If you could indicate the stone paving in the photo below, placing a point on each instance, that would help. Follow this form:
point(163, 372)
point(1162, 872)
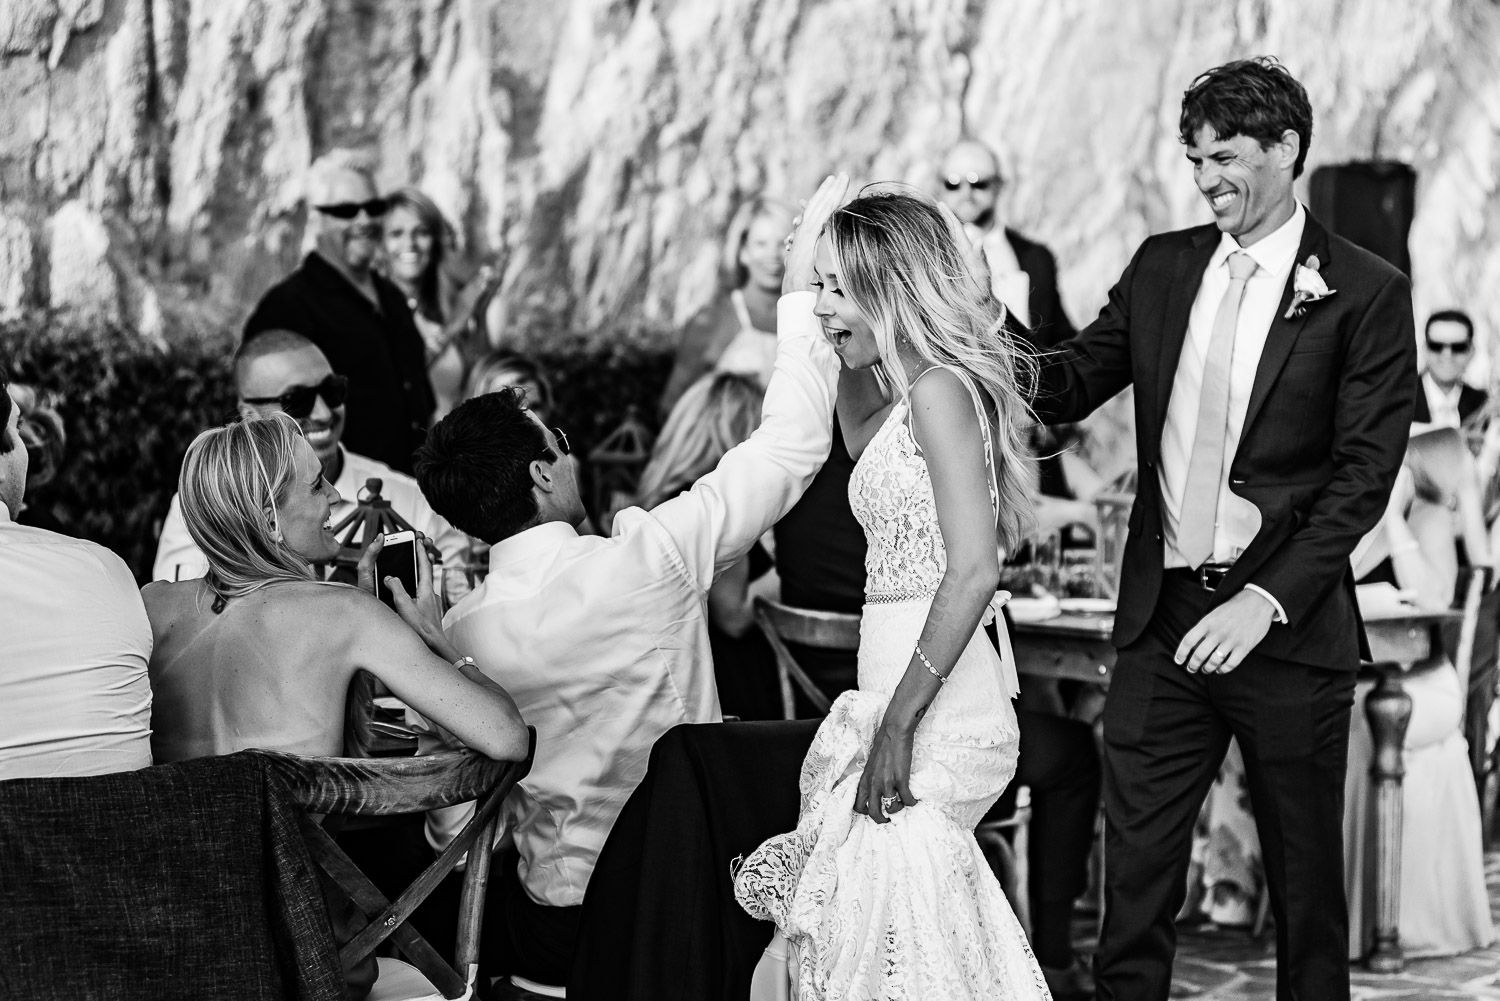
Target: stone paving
point(1228, 965)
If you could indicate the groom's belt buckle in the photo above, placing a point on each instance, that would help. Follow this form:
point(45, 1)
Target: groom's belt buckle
point(1211, 575)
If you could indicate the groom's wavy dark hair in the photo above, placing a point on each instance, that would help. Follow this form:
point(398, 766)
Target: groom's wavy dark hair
point(1249, 97)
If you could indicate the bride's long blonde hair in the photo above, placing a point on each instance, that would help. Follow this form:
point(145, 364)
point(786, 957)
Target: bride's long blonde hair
point(899, 263)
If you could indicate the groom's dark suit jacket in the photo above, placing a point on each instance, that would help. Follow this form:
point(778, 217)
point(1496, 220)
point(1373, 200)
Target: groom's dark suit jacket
point(1324, 434)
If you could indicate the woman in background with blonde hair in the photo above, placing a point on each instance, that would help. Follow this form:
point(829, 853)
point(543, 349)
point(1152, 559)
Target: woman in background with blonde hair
point(882, 891)
point(260, 653)
point(718, 412)
point(737, 331)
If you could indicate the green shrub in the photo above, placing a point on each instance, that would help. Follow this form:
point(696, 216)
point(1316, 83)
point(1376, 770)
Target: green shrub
point(131, 408)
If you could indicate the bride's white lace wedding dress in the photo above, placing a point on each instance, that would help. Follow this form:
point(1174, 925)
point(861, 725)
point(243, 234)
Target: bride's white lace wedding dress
point(908, 910)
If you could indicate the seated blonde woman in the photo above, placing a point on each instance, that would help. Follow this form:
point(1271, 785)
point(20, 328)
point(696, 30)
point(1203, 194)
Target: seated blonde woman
point(259, 653)
point(716, 413)
point(1444, 909)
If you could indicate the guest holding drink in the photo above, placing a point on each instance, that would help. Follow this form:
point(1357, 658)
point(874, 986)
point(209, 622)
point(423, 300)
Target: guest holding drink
point(453, 318)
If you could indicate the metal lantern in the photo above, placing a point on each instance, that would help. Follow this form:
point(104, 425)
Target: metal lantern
point(372, 516)
point(616, 463)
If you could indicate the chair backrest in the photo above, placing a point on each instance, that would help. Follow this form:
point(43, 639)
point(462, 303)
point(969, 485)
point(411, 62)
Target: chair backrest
point(373, 787)
point(1473, 590)
point(783, 624)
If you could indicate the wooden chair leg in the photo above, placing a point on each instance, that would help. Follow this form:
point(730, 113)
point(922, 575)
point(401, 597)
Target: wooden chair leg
point(1262, 912)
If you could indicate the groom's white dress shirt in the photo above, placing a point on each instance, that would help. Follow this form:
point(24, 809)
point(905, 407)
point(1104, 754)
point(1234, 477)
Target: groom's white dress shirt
point(603, 643)
point(74, 644)
point(1238, 520)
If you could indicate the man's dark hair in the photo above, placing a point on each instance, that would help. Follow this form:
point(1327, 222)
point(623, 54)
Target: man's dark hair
point(7, 442)
point(1249, 97)
point(1441, 316)
point(475, 466)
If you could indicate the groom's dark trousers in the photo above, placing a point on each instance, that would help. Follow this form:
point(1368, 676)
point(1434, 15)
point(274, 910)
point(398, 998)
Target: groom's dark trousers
point(1325, 427)
point(1165, 734)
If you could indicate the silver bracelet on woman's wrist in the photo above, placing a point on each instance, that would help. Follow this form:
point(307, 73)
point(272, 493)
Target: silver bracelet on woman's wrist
point(928, 664)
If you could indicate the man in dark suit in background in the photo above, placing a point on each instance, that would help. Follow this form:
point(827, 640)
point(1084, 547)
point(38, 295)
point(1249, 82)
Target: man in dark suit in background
point(360, 321)
point(1273, 369)
point(1443, 398)
point(1023, 273)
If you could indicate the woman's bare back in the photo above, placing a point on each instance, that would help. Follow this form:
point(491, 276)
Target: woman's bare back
point(271, 670)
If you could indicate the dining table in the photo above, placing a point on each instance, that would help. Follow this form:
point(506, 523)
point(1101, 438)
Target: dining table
point(1073, 643)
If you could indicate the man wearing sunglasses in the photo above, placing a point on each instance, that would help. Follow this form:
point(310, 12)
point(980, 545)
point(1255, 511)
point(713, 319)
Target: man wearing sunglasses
point(361, 322)
point(1023, 273)
point(283, 371)
point(1446, 400)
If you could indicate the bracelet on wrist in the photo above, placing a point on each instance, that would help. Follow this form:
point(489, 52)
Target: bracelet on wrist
point(928, 664)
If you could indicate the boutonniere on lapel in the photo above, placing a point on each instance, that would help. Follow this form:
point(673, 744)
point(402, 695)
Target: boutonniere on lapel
point(1307, 286)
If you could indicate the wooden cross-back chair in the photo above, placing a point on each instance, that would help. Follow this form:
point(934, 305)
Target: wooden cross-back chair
point(783, 624)
point(377, 787)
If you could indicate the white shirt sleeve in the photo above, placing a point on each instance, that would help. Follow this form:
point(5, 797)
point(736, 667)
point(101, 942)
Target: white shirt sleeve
point(177, 556)
point(1278, 614)
point(716, 522)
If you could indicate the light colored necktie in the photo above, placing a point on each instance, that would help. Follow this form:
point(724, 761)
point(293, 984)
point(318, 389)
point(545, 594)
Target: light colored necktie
point(1200, 499)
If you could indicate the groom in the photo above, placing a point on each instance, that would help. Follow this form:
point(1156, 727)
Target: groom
point(1273, 369)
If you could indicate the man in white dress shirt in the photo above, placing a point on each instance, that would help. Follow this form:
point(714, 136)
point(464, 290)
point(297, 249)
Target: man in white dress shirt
point(603, 643)
point(283, 371)
point(73, 645)
point(1445, 400)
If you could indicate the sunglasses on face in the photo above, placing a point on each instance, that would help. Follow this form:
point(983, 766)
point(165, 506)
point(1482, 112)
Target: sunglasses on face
point(1458, 348)
point(298, 402)
point(955, 181)
point(562, 442)
point(374, 208)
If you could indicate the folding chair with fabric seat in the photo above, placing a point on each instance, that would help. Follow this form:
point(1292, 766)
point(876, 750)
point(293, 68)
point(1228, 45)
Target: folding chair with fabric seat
point(376, 787)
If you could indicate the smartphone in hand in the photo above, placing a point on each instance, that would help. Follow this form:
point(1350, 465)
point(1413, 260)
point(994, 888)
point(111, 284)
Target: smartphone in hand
point(399, 560)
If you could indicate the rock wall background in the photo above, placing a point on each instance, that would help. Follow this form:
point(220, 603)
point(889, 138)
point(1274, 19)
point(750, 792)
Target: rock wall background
point(152, 151)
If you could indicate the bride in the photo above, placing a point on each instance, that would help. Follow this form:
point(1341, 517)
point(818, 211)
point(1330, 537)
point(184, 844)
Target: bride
point(882, 891)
